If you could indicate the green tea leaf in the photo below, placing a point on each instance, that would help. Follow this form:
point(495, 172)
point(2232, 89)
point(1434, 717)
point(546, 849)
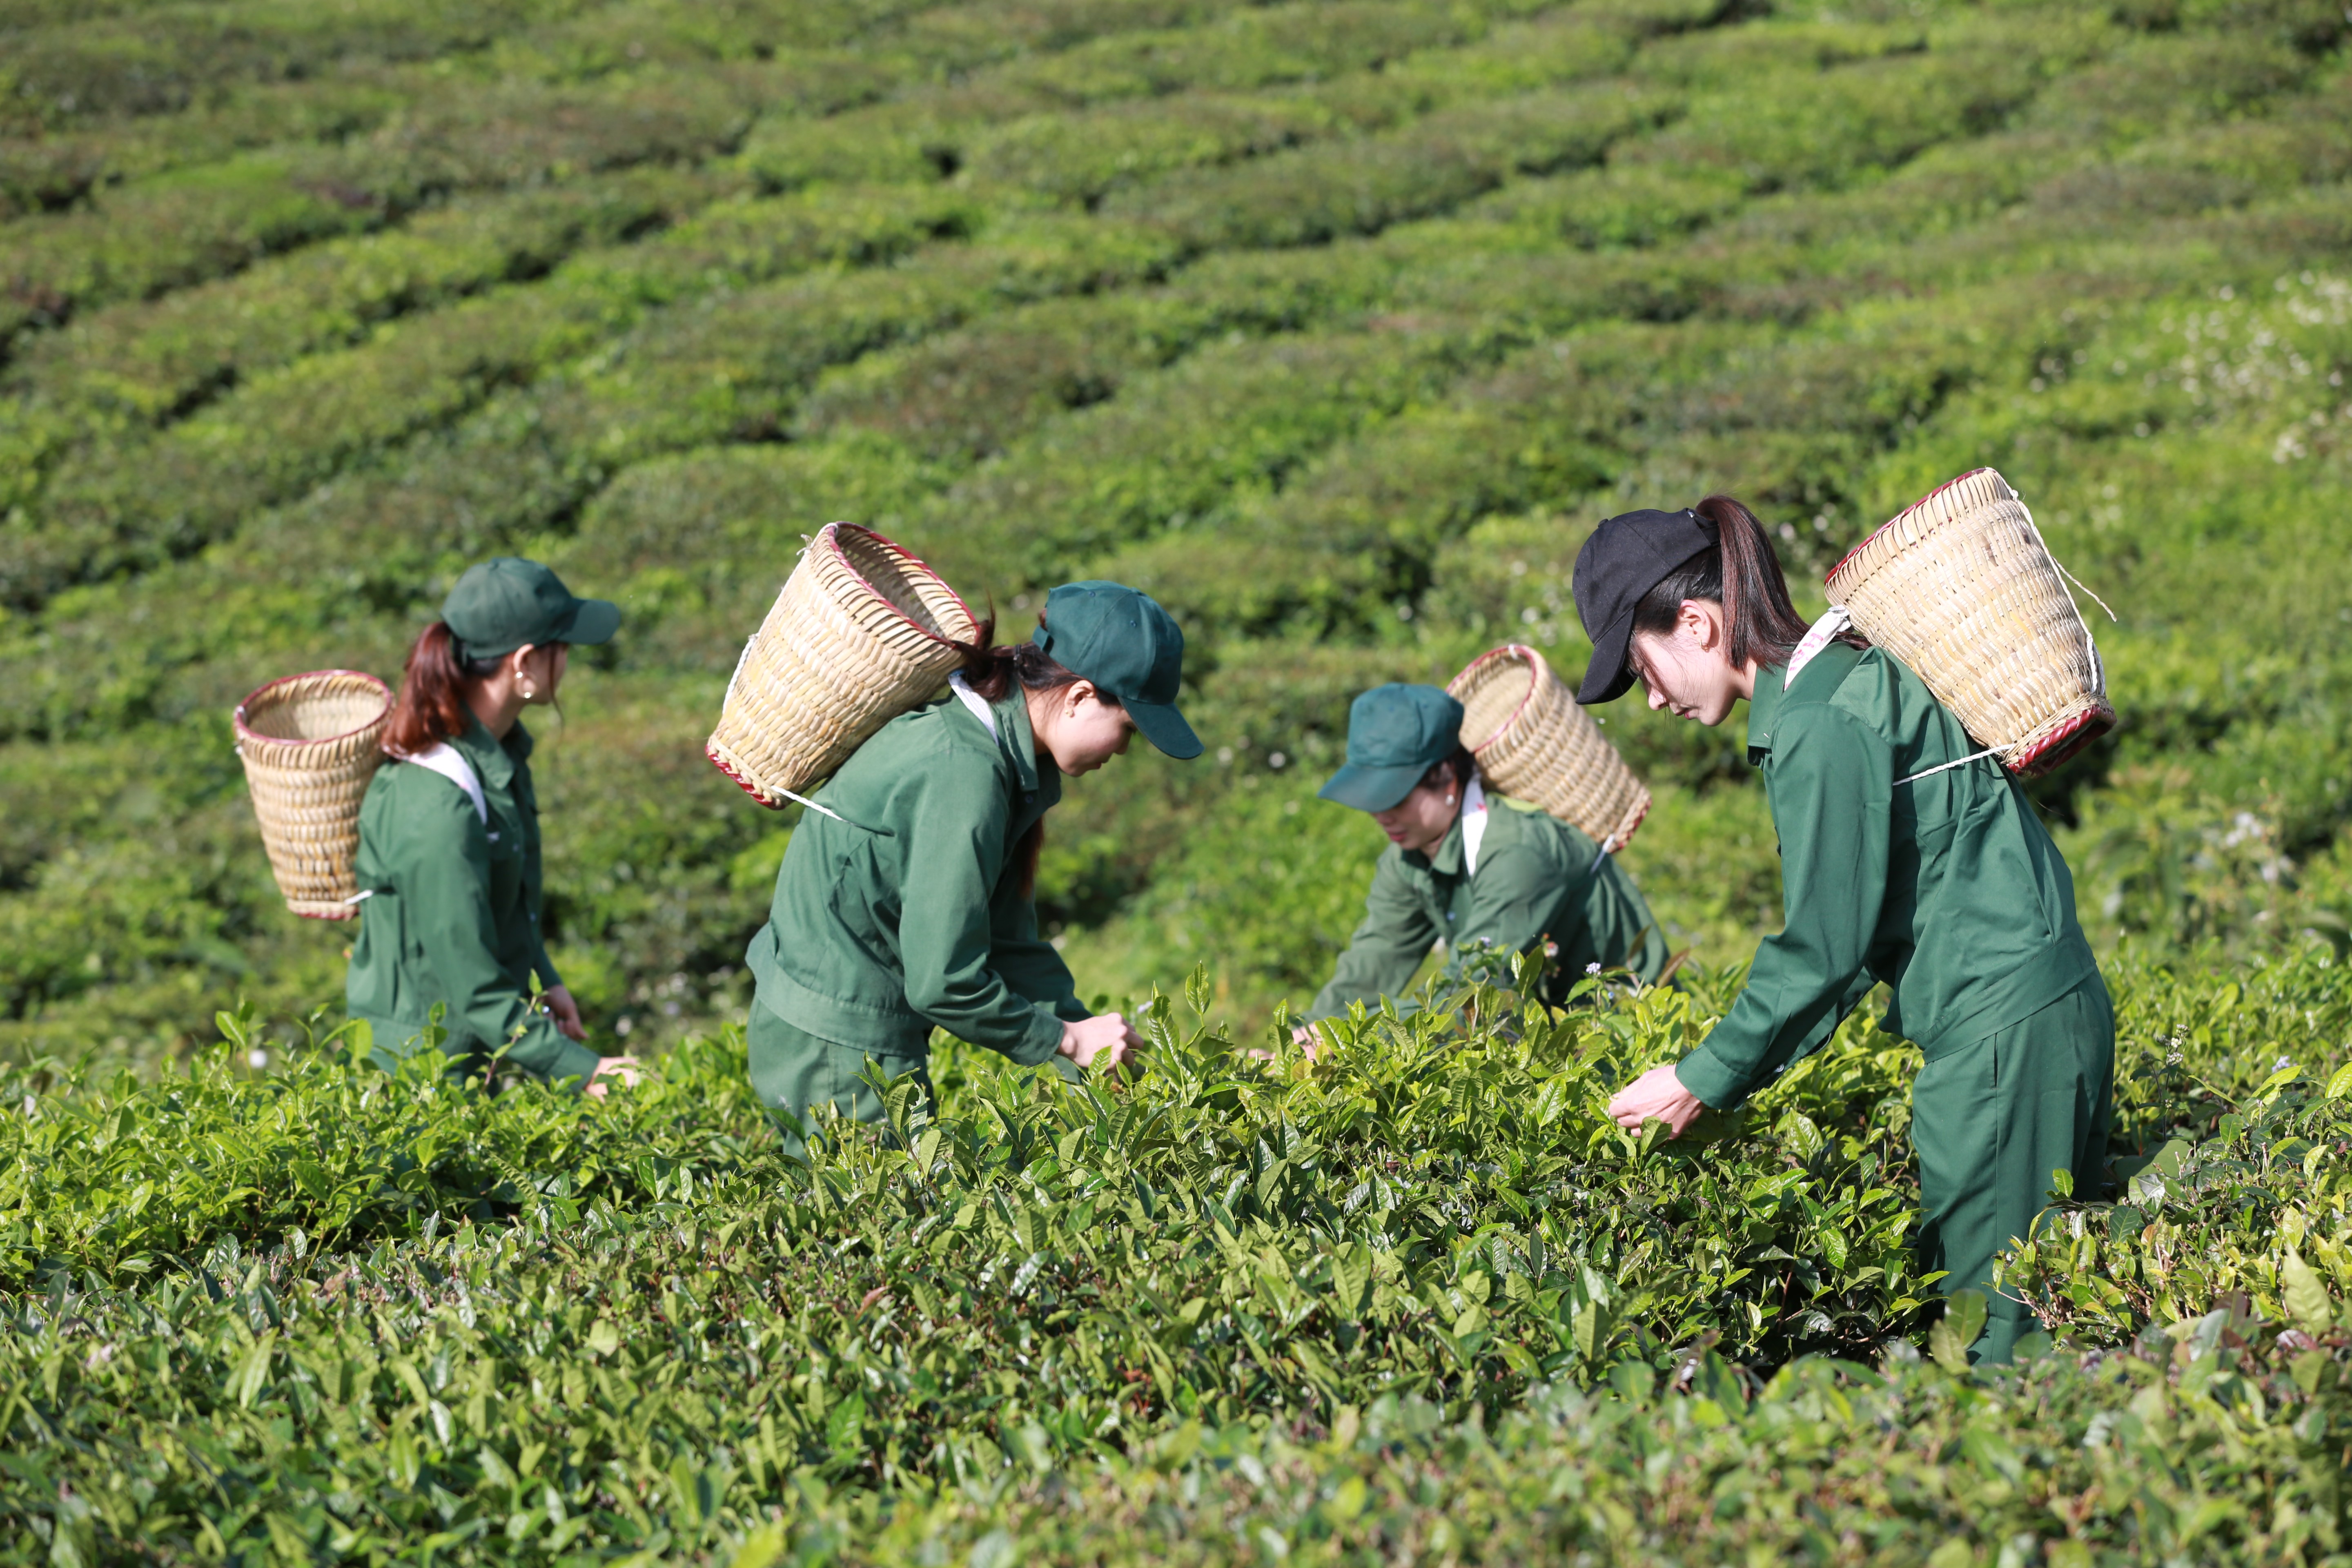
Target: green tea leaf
point(2305, 1298)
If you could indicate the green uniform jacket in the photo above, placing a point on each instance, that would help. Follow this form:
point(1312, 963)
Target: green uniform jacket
point(911, 917)
point(453, 918)
point(1947, 887)
point(1536, 878)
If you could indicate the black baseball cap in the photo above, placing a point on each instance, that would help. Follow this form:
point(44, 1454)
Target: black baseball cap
point(1628, 555)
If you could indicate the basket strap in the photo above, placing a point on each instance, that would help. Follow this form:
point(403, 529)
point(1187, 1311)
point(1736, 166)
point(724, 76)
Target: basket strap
point(1474, 822)
point(1825, 631)
point(974, 700)
point(450, 762)
point(1956, 761)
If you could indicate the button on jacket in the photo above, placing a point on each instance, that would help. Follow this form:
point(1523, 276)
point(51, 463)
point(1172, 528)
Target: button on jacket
point(455, 915)
point(1534, 878)
point(907, 916)
point(1948, 887)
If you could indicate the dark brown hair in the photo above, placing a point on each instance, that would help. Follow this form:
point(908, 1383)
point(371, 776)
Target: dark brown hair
point(1743, 574)
point(431, 706)
point(1457, 767)
point(994, 673)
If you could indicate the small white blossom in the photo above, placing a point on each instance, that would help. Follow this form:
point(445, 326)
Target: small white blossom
point(1592, 969)
point(258, 1057)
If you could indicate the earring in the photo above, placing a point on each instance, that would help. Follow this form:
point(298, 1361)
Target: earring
point(529, 693)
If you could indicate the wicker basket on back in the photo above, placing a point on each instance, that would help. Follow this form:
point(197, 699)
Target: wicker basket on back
point(1534, 744)
point(309, 744)
point(862, 632)
point(1960, 587)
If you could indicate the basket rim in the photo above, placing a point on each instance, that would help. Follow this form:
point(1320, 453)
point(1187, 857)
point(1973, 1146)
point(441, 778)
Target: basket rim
point(1956, 479)
point(2059, 747)
point(1534, 685)
point(245, 733)
point(829, 537)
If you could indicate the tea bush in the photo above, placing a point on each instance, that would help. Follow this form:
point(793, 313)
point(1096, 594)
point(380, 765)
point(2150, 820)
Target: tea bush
point(1335, 325)
point(1422, 1281)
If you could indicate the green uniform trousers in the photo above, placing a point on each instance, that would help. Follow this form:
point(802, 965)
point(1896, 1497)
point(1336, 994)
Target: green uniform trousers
point(1991, 1120)
point(794, 1071)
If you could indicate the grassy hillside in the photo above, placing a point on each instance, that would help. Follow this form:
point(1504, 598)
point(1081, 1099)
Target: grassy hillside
point(1335, 323)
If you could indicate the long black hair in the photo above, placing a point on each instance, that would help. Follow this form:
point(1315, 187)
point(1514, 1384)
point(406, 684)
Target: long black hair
point(1742, 573)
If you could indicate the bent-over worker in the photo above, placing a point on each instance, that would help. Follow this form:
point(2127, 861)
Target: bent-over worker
point(1467, 869)
point(1906, 856)
point(907, 903)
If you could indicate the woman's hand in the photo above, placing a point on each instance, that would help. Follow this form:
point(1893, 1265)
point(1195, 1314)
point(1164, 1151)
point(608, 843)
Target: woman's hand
point(566, 1013)
point(1102, 1041)
point(1303, 1035)
point(1656, 1096)
point(623, 1071)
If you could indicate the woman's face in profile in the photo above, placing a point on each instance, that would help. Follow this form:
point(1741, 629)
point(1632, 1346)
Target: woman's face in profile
point(1686, 672)
point(1081, 729)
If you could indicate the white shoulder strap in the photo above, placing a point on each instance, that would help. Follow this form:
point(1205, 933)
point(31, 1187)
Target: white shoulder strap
point(450, 764)
point(1825, 631)
point(974, 700)
point(1474, 823)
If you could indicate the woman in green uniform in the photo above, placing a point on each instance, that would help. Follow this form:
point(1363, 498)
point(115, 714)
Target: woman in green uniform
point(1465, 869)
point(448, 856)
point(905, 900)
point(1906, 857)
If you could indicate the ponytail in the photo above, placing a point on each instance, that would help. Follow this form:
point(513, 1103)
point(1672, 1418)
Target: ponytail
point(432, 706)
point(1742, 573)
point(993, 674)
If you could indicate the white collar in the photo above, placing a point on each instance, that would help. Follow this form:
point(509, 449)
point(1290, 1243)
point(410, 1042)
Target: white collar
point(1474, 824)
point(974, 700)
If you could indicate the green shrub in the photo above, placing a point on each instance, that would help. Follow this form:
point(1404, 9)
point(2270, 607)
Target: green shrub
point(159, 357)
point(1318, 193)
point(1078, 158)
point(1318, 1271)
point(1224, 425)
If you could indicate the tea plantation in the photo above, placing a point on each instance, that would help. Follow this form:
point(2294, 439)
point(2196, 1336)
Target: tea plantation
point(1334, 323)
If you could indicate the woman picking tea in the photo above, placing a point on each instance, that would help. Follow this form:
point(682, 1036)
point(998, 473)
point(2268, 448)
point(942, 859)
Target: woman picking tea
point(906, 901)
point(1465, 869)
point(448, 848)
point(1907, 856)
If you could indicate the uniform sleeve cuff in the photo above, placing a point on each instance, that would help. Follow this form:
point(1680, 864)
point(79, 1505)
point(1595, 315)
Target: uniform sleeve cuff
point(1043, 1039)
point(1702, 1073)
point(573, 1060)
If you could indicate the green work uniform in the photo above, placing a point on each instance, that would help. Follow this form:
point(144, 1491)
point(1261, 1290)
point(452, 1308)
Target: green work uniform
point(1536, 877)
point(453, 911)
point(908, 915)
point(1947, 887)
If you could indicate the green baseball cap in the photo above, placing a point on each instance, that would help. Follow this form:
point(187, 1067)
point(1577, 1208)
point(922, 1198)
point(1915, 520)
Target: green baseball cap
point(1129, 647)
point(1396, 733)
point(508, 602)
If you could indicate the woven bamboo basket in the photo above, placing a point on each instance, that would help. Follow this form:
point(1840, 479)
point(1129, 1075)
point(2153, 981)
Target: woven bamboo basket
point(862, 632)
point(1960, 586)
point(1534, 744)
point(309, 744)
